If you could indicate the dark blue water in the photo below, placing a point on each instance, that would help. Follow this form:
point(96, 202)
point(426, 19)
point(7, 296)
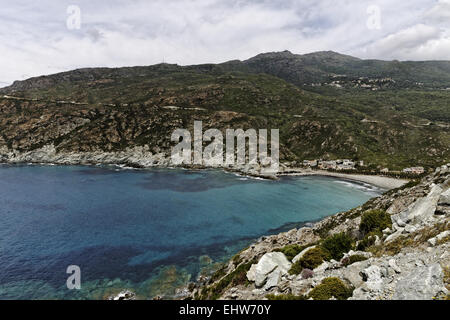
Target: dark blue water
point(149, 231)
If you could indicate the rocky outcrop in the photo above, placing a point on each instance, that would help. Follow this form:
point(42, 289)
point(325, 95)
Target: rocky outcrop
point(408, 262)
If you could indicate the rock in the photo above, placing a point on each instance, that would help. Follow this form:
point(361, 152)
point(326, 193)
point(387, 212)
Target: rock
point(320, 269)
point(409, 229)
point(393, 236)
point(421, 211)
point(267, 264)
point(372, 277)
point(124, 295)
point(433, 241)
point(394, 266)
point(423, 283)
point(301, 254)
point(443, 206)
point(273, 279)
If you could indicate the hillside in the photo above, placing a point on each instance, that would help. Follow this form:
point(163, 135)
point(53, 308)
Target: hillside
point(112, 110)
point(394, 247)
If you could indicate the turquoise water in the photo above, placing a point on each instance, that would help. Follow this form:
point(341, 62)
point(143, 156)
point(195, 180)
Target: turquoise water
point(146, 230)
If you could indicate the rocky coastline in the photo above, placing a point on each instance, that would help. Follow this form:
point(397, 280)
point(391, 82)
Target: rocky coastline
point(141, 157)
point(408, 260)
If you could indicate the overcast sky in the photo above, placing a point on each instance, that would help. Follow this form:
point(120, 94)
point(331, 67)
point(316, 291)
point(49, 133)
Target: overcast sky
point(48, 36)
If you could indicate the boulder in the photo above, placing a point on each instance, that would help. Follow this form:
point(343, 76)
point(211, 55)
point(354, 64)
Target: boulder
point(372, 276)
point(423, 283)
point(269, 262)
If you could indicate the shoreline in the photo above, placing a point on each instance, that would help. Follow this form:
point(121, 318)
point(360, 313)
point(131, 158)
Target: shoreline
point(379, 181)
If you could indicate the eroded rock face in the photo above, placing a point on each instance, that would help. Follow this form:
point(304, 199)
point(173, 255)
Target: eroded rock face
point(423, 283)
point(421, 211)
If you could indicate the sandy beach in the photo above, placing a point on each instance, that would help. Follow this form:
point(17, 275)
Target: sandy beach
point(378, 181)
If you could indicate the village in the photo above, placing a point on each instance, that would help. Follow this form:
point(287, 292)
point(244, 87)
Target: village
point(346, 164)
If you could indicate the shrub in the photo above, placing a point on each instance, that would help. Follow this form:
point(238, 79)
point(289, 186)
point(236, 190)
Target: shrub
point(352, 259)
point(307, 273)
point(290, 251)
point(369, 240)
point(285, 297)
point(310, 260)
point(337, 245)
point(375, 221)
point(296, 268)
point(331, 287)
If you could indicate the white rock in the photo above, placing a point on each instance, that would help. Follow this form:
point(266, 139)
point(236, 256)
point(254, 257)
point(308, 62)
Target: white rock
point(320, 269)
point(423, 283)
point(432, 242)
point(266, 265)
point(372, 277)
point(394, 266)
point(273, 279)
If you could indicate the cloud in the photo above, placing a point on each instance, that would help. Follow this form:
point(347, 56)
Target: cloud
point(35, 40)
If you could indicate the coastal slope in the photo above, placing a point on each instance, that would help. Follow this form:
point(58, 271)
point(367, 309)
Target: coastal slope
point(395, 247)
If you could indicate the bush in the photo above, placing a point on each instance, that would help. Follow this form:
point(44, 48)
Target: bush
point(368, 241)
point(375, 221)
point(337, 245)
point(290, 251)
point(331, 287)
point(307, 273)
point(310, 260)
point(352, 259)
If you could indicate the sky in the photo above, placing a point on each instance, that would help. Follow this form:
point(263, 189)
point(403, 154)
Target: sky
point(50, 36)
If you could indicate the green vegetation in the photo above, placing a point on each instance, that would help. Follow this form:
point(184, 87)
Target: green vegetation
point(290, 251)
point(391, 127)
point(337, 245)
point(310, 260)
point(332, 247)
point(235, 278)
point(331, 287)
point(375, 221)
